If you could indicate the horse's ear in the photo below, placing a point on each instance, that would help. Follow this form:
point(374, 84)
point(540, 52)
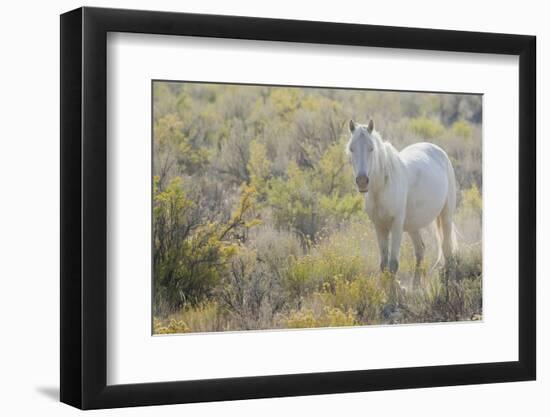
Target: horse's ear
point(370, 127)
point(351, 125)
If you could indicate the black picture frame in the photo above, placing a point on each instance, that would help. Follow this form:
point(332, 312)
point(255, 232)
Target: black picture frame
point(84, 207)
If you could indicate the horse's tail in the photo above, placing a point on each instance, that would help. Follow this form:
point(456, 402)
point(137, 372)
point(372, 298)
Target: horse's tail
point(439, 238)
point(438, 228)
point(451, 202)
point(454, 240)
point(449, 211)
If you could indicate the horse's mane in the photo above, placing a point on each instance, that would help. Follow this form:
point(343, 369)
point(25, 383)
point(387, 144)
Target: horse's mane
point(386, 164)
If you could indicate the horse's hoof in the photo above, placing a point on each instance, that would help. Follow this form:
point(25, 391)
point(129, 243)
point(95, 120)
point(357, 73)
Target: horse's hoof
point(388, 310)
point(393, 314)
point(394, 266)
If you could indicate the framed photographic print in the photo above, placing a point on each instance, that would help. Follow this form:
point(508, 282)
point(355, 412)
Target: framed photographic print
point(257, 208)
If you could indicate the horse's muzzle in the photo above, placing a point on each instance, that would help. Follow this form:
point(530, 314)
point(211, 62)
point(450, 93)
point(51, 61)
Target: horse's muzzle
point(362, 182)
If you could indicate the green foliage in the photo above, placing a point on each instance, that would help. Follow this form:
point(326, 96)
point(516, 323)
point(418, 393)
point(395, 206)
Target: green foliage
point(462, 129)
point(190, 252)
point(312, 199)
point(324, 264)
point(285, 101)
point(175, 151)
point(295, 203)
point(471, 199)
point(330, 317)
point(187, 254)
point(301, 319)
point(333, 172)
point(169, 326)
point(259, 167)
point(469, 214)
point(426, 128)
point(364, 296)
point(204, 317)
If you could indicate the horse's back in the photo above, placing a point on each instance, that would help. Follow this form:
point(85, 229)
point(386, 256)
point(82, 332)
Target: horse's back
point(425, 153)
point(427, 167)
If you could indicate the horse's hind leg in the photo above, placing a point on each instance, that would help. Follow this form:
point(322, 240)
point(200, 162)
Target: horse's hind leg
point(419, 250)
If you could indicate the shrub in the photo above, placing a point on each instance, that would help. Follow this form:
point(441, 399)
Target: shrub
point(285, 101)
point(334, 259)
point(330, 317)
point(310, 200)
point(186, 252)
point(171, 326)
point(232, 159)
point(338, 318)
point(259, 167)
point(295, 203)
point(469, 214)
point(301, 319)
point(173, 144)
point(364, 296)
point(205, 317)
point(190, 251)
point(462, 129)
point(278, 249)
point(426, 128)
point(446, 299)
point(249, 293)
point(471, 200)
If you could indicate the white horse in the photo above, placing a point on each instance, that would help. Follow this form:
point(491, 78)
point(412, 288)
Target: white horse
point(404, 191)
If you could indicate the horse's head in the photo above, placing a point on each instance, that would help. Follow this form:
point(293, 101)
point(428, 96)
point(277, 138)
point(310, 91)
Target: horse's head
point(361, 147)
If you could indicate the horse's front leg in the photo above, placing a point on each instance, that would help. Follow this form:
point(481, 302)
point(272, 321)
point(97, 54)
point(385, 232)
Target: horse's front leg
point(382, 234)
point(396, 236)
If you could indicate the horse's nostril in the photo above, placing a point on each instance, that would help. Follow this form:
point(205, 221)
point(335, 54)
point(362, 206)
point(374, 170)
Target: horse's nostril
point(362, 180)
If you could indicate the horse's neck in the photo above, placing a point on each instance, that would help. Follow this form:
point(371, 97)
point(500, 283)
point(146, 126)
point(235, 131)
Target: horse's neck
point(387, 165)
